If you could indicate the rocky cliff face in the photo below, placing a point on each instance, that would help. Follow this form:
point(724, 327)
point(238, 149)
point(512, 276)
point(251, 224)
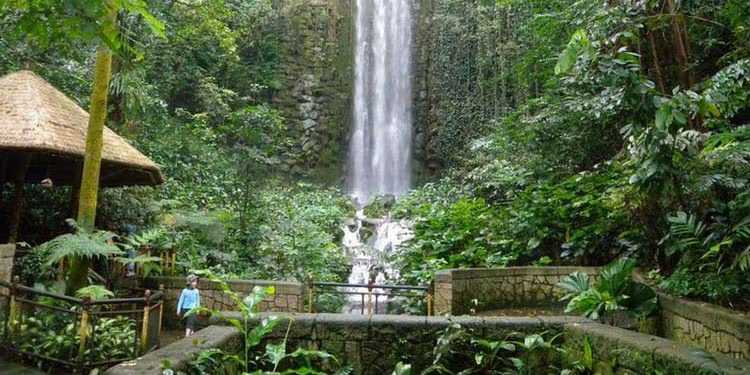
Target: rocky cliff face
point(317, 84)
point(316, 87)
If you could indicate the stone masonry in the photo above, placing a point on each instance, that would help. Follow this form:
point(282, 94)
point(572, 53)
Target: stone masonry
point(711, 327)
point(7, 252)
point(471, 290)
point(373, 345)
point(289, 296)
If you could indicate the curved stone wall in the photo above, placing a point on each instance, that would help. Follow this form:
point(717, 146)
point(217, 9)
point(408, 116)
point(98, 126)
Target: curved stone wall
point(374, 345)
point(711, 327)
point(473, 290)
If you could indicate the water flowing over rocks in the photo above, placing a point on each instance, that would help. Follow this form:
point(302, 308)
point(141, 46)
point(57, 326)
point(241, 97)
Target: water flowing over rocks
point(370, 253)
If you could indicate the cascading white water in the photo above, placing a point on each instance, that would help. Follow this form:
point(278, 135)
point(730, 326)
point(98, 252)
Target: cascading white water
point(369, 257)
point(380, 145)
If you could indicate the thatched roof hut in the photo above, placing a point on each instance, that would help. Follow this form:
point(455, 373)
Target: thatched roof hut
point(37, 119)
point(43, 141)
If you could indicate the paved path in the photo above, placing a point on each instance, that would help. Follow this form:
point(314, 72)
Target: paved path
point(10, 368)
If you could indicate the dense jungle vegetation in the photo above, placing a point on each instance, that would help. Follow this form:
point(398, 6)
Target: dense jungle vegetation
point(628, 137)
point(562, 131)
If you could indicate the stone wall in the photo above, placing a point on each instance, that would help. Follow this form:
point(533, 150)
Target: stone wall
point(180, 353)
point(316, 81)
point(471, 290)
point(711, 327)
point(374, 345)
point(7, 252)
point(289, 297)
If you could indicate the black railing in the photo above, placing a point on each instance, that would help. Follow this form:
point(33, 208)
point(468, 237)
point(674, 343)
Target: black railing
point(372, 298)
point(78, 333)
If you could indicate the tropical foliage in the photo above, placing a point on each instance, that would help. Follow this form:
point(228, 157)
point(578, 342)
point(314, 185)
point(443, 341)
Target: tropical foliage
point(632, 143)
point(614, 290)
point(254, 331)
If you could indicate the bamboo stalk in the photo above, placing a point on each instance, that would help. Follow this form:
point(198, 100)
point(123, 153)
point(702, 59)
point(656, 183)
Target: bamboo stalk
point(90, 175)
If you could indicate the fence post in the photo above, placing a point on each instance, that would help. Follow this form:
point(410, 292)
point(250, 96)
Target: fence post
point(369, 299)
point(83, 330)
point(144, 325)
point(161, 309)
point(310, 296)
point(429, 300)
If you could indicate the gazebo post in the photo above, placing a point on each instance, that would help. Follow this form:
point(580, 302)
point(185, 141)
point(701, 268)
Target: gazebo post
point(18, 196)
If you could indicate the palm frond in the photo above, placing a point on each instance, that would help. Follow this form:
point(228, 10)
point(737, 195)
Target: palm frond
point(742, 261)
point(686, 233)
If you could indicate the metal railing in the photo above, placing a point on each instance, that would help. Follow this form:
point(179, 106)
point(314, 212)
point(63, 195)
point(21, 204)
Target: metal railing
point(78, 334)
point(373, 298)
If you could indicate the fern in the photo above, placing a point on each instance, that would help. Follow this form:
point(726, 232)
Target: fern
point(82, 244)
point(94, 292)
point(152, 238)
point(149, 264)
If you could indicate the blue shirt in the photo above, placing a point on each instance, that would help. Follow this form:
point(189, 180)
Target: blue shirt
point(189, 298)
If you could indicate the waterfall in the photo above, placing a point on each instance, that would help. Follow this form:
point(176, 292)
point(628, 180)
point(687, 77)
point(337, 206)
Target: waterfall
point(380, 146)
point(370, 257)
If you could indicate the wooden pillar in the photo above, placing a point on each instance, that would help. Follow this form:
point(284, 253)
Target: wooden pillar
point(18, 196)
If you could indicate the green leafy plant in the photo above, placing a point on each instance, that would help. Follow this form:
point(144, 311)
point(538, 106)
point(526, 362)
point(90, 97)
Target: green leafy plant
point(459, 351)
point(250, 358)
point(613, 291)
point(94, 292)
point(81, 243)
point(57, 335)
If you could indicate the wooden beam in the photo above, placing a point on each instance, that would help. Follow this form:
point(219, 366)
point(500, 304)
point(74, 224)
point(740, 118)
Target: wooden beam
point(18, 196)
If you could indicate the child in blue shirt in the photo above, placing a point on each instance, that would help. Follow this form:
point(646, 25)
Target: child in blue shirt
point(190, 298)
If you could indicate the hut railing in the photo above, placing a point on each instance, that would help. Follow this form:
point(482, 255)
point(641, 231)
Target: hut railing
point(78, 334)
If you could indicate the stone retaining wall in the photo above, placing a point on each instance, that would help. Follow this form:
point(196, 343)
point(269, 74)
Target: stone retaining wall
point(7, 252)
point(711, 327)
point(374, 345)
point(180, 353)
point(464, 291)
point(289, 296)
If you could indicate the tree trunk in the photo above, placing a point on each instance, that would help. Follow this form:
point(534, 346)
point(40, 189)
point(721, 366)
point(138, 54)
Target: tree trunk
point(79, 267)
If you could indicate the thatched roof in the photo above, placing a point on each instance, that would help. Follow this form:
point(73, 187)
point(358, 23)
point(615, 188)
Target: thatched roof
point(38, 119)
